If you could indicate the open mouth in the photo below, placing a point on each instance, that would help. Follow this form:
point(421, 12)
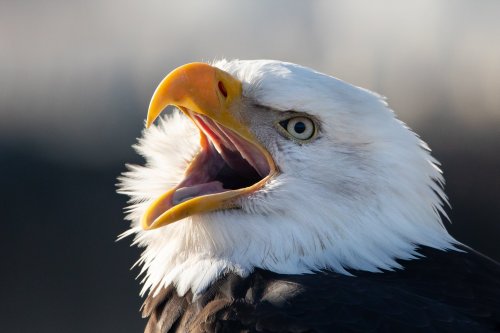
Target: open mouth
point(231, 163)
point(226, 168)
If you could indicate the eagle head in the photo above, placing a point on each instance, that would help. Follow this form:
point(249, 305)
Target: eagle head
point(267, 164)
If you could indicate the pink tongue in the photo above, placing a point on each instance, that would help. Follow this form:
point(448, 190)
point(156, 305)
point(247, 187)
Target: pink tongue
point(185, 193)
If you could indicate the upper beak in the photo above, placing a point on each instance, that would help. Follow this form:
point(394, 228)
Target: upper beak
point(202, 89)
point(199, 88)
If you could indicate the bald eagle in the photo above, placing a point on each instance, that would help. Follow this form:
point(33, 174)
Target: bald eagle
point(275, 198)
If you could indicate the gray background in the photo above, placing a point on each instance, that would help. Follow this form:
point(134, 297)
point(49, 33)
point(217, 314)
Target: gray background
point(75, 82)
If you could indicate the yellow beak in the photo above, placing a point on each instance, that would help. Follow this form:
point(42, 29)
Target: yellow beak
point(199, 88)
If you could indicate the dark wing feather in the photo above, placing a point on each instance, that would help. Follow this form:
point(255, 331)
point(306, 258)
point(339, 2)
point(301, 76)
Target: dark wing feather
point(442, 292)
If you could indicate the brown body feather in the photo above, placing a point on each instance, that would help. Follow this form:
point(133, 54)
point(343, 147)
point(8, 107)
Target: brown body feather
point(443, 292)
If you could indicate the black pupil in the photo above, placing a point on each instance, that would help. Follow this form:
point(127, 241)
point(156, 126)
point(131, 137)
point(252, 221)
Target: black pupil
point(299, 127)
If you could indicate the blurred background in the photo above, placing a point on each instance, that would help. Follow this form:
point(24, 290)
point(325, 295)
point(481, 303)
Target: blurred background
point(75, 82)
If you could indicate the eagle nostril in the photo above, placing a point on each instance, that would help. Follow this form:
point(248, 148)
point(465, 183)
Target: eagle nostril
point(222, 89)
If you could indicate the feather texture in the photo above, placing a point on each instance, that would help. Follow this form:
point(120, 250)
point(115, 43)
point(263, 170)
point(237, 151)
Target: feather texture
point(444, 292)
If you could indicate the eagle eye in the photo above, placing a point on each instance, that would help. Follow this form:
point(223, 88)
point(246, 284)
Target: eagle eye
point(299, 128)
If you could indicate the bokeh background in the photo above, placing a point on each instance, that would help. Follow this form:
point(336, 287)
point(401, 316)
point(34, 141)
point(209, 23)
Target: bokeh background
point(76, 78)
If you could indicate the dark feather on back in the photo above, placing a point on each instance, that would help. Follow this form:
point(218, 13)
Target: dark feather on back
point(442, 292)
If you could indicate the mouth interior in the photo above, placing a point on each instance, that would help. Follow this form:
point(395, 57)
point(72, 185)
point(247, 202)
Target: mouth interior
point(226, 162)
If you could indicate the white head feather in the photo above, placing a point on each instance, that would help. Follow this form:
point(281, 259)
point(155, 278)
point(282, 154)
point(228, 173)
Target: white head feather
point(365, 193)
